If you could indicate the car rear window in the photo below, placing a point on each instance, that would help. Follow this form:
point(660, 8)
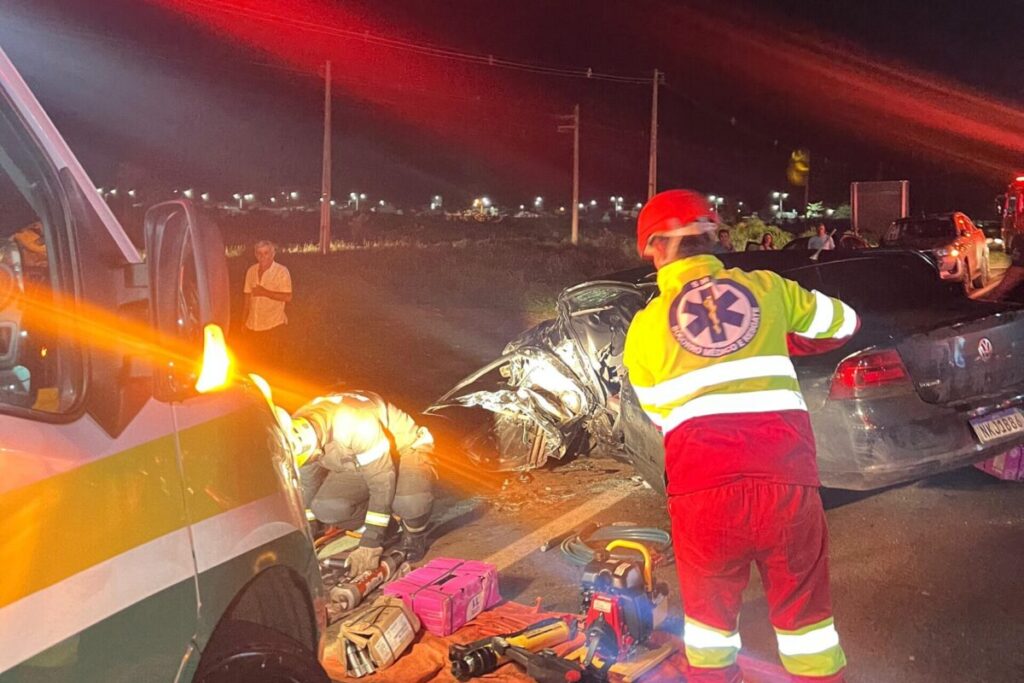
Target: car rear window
point(890, 283)
point(924, 228)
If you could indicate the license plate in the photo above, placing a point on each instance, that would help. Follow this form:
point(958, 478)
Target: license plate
point(998, 425)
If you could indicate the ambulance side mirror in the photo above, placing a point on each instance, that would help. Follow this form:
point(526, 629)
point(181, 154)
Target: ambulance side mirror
point(189, 290)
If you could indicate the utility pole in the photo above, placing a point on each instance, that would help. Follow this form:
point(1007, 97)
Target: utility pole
point(807, 183)
point(652, 168)
point(575, 128)
point(325, 189)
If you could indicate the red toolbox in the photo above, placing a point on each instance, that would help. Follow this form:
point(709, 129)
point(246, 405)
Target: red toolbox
point(446, 593)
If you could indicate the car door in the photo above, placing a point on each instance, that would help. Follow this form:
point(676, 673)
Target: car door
point(241, 489)
point(97, 581)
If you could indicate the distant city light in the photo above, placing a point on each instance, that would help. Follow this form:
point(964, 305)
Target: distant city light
point(237, 196)
point(522, 207)
point(486, 201)
point(639, 205)
point(249, 197)
point(294, 195)
point(131, 193)
point(188, 193)
point(593, 202)
point(381, 202)
point(581, 205)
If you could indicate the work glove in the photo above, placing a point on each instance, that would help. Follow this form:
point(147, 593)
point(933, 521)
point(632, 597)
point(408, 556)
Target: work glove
point(362, 560)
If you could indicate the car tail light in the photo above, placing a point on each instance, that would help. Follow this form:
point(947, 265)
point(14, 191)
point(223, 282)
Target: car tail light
point(870, 374)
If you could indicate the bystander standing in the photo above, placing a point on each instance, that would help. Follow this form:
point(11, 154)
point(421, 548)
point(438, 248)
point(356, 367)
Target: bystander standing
point(724, 244)
point(822, 240)
point(268, 287)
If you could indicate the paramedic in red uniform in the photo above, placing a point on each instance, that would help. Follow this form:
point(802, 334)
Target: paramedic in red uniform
point(709, 359)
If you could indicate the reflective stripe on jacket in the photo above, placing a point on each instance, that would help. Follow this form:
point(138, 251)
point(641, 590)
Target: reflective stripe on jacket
point(709, 360)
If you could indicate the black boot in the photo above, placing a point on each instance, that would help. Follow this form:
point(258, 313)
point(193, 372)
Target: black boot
point(413, 544)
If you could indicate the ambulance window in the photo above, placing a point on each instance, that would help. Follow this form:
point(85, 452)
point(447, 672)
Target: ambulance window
point(40, 368)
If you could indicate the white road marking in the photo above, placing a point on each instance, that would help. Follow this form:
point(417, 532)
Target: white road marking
point(570, 520)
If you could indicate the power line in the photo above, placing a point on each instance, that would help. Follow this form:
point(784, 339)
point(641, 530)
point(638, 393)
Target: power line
point(418, 48)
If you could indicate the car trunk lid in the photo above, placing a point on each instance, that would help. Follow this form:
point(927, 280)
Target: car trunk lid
point(970, 360)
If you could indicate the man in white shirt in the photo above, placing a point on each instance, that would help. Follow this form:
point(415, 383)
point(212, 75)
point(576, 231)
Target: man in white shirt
point(268, 287)
point(822, 240)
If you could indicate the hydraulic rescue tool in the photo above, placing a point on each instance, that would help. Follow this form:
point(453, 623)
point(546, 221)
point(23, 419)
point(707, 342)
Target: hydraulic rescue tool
point(484, 656)
point(621, 604)
point(547, 667)
point(347, 595)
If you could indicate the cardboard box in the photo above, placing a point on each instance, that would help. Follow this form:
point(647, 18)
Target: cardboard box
point(1008, 466)
point(385, 629)
point(447, 593)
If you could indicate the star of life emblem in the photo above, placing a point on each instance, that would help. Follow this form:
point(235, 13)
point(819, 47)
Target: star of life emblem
point(714, 318)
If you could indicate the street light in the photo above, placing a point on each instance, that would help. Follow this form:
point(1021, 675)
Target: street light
point(538, 203)
point(781, 197)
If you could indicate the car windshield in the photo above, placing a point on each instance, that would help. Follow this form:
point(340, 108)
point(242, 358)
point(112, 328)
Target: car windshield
point(890, 283)
point(924, 228)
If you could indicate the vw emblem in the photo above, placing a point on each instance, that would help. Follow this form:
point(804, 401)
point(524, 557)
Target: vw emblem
point(985, 349)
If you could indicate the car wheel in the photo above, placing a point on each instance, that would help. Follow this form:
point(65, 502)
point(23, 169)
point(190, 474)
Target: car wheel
point(983, 274)
point(965, 268)
point(252, 653)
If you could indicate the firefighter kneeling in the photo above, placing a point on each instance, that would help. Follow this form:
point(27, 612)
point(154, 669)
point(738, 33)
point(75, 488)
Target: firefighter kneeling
point(369, 459)
point(709, 360)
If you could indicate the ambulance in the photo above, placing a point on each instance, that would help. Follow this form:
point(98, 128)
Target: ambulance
point(151, 527)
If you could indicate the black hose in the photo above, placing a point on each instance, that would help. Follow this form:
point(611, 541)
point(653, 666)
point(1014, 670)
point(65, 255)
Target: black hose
point(579, 548)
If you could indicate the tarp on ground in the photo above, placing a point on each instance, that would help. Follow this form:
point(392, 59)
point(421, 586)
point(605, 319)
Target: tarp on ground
point(427, 660)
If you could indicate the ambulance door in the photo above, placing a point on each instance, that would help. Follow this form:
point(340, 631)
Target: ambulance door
point(97, 580)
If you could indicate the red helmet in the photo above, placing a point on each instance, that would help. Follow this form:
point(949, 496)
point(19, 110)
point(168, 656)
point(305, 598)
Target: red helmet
point(674, 212)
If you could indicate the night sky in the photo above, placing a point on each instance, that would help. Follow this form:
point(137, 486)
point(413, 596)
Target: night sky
point(181, 93)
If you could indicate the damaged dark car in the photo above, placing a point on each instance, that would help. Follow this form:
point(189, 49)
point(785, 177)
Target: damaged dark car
point(932, 381)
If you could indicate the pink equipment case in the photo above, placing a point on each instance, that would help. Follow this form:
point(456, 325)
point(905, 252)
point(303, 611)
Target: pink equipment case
point(447, 593)
point(1008, 466)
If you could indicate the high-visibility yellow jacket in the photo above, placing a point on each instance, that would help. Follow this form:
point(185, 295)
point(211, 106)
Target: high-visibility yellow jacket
point(709, 360)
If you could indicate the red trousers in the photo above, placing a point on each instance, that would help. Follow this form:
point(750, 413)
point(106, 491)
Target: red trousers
point(717, 533)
